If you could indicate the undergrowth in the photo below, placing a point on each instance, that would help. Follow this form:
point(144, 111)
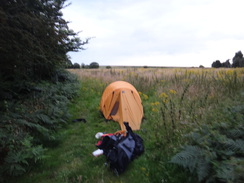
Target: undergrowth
point(215, 153)
point(29, 123)
point(199, 103)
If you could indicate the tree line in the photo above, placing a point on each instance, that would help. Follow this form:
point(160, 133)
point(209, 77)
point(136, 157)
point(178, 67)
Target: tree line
point(238, 61)
point(34, 40)
point(34, 87)
point(92, 65)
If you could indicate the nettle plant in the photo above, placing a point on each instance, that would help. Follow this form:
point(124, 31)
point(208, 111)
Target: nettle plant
point(216, 151)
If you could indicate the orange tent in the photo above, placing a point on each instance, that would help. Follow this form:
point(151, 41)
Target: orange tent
point(122, 103)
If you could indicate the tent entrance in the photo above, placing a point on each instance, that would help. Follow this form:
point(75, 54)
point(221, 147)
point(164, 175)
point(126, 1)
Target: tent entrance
point(115, 109)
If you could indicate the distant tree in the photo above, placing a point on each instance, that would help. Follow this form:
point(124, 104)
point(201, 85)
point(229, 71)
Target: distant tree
point(238, 60)
point(76, 66)
point(201, 66)
point(83, 66)
point(226, 64)
point(94, 65)
point(108, 67)
point(216, 64)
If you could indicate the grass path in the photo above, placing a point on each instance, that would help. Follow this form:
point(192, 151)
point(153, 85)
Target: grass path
point(71, 160)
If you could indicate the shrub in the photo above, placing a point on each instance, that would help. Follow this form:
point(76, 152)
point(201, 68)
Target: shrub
point(29, 123)
point(216, 152)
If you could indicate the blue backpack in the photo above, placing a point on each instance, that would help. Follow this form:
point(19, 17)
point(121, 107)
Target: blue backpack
point(121, 150)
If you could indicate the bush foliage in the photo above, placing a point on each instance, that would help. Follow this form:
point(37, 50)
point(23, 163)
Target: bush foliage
point(36, 41)
point(216, 152)
point(29, 124)
point(35, 89)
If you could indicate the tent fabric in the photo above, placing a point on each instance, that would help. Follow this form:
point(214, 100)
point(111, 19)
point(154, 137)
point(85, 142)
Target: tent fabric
point(122, 103)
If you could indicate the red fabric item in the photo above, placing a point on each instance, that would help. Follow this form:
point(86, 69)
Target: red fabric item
point(104, 135)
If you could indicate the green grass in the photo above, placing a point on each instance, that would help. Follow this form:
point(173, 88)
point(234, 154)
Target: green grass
point(71, 159)
point(173, 106)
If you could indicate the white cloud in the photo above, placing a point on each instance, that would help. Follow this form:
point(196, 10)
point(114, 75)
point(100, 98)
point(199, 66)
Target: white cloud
point(157, 32)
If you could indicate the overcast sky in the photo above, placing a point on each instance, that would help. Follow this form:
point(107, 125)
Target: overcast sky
point(157, 32)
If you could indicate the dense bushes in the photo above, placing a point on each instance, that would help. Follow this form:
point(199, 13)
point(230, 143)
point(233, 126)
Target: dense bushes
point(34, 89)
point(216, 152)
point(29, 124)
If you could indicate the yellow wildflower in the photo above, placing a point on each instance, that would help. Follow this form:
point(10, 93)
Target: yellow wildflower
point(156, 103)
point(165, 101)
point(143, 169)
point(145, 96)
point(172, 91)
point(154, 109)
point(163, 95)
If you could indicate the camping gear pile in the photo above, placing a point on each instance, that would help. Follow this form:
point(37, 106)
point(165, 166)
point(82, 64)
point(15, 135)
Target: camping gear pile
point(122, 103)
point(120, 150)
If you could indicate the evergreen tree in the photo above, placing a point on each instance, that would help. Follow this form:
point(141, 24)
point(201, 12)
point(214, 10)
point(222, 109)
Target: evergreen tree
point(34, 39)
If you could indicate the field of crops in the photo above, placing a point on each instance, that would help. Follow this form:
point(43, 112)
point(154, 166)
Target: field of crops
point(188, 116)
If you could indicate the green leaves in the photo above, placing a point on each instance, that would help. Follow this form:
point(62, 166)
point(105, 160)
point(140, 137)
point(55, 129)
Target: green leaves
point(216, 152)
point(36, 40)
point(192, 158)
point(28, 124)
point(17, 161)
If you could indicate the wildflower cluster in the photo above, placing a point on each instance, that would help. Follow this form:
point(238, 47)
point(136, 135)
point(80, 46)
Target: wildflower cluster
point(164, 97)
point(172, 91)
point(155, 106)
point(143, 96)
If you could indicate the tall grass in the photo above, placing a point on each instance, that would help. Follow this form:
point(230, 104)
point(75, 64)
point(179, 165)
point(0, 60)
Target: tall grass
point(175, 101)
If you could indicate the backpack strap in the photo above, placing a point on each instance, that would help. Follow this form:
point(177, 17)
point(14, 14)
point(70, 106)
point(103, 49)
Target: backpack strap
point(120, 132)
